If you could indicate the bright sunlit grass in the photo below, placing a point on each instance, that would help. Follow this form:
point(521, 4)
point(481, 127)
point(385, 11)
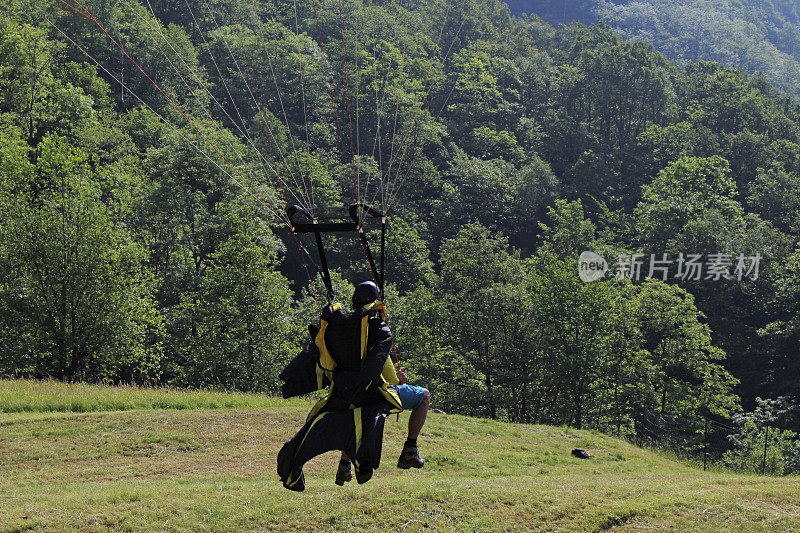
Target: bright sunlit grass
point(144, 469)
point(30, 396)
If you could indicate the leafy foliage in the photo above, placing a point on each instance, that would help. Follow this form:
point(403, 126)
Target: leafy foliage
point(754, 35)
point(139, 241)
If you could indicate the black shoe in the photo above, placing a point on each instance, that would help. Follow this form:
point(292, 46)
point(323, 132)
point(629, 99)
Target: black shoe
point(410, 458)
point(343, 474)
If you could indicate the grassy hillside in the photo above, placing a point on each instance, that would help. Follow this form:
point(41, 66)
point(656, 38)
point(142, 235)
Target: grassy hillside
point(210, 469)
point(24, 396)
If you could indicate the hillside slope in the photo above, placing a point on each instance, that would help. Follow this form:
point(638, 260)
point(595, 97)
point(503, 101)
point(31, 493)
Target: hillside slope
point(178, 470)
point(755, 35)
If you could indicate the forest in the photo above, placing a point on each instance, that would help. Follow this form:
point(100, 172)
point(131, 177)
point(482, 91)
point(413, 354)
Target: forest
point(149, 151)
point(758, 36)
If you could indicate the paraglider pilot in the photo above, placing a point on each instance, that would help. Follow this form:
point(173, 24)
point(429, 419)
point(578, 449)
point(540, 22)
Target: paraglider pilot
point(416, 399)
point(349, 353)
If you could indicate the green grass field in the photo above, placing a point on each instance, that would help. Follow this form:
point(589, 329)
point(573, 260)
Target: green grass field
point(210, 466)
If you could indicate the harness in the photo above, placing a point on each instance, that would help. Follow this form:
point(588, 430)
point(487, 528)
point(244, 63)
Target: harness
point(327, 364)
point(320, 220)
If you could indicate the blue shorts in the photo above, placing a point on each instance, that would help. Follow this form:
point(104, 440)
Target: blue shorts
point(411, 396)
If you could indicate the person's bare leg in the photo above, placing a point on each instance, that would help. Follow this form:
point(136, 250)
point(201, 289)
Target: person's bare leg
point(343, 472)
point(409, 457)
point(418, 416)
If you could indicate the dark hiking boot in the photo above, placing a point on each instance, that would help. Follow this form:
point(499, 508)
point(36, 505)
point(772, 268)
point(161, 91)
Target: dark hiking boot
point(344, 473)
point(410, 458)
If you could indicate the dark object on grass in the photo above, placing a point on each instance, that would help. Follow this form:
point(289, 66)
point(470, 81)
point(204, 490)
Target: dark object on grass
point(581, 453)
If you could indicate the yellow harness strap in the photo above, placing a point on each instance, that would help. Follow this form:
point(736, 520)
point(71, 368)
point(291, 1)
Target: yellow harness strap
point(388, 374)
point(357, 421)
point(326, 363)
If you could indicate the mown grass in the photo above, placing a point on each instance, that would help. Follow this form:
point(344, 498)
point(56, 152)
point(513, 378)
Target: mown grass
point(30, 396)
point(214, 470)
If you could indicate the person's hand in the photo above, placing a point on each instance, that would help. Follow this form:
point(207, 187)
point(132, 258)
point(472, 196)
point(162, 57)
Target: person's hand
point(401, 375)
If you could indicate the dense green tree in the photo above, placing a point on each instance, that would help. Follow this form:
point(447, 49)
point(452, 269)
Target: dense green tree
point(74, 290)
point(685, 363)
point(683, 192)
point(245, 329)
point(480, 297)
point(573, 320)
point(775, 195)
point(782, 333)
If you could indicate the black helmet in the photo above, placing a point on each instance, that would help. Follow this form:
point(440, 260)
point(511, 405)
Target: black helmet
point(365, 293)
